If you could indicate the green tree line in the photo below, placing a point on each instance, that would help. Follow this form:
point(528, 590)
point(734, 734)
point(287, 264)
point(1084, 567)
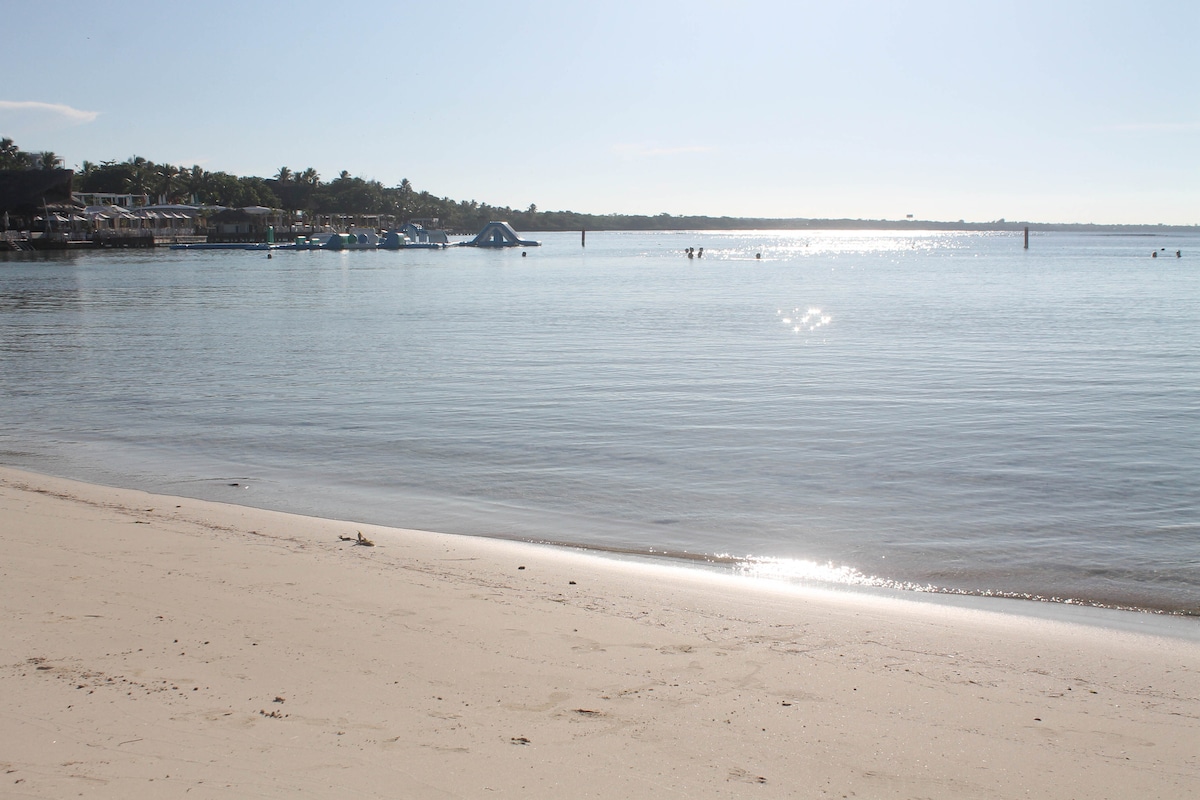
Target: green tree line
point(288, 189)
point(13, 157)
point(304, 190)
point(346, 194)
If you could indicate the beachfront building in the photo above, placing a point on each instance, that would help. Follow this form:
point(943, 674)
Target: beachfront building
point(36, 209)
point(173, 224)
point(249, 224)
point(342, 223)
point(121, 226)
point(129, 201)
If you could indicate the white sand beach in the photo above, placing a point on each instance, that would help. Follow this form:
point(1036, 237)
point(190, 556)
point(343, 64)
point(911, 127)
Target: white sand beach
point(166, 647)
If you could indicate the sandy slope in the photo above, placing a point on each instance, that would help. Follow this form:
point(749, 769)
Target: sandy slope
point(164, 647)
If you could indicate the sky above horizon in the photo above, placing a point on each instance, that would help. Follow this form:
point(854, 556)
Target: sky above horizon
point(1048, 111)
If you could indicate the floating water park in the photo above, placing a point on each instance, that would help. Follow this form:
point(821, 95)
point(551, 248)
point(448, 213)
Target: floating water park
point(409, 237)
point(499, 234)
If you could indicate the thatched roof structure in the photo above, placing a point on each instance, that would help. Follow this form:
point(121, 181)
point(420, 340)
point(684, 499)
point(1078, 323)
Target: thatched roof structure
point(28, 191)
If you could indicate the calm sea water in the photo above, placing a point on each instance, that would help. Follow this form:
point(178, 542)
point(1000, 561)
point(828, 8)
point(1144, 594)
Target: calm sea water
point(920, 410)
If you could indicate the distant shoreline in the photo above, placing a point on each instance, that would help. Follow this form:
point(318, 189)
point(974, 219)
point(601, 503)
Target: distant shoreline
point(668, 223)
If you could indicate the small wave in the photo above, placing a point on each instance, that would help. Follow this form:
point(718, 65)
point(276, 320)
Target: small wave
point(795, 570)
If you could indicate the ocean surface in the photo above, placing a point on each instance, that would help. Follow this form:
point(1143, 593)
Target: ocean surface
point(919, 410)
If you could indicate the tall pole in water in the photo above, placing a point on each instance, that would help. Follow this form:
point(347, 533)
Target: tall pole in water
point(1026, 237)
point(583, 238)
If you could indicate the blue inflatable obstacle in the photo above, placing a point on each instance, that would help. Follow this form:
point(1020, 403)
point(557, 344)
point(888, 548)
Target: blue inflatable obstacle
point(413, 237)
point(500, 234)
point(393, 240)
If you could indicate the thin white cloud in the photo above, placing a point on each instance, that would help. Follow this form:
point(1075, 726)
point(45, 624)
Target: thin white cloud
point(653, 151)
point(66, 113)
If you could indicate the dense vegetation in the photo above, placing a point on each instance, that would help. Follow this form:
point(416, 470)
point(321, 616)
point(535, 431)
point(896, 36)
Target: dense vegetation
point(287, 189)
point(13, 157)
point(346, 194)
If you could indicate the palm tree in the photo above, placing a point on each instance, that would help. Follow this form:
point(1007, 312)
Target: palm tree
point(167, 173)
point(195, 182)
point(404, 199)
point(50, 160)
point(284, 175)
point(10, 154)
point(310, 177)
point(138, 179)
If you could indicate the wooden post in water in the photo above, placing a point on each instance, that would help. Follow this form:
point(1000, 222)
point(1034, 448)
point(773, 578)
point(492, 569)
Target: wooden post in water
point(1026, 237)
point(583, 238)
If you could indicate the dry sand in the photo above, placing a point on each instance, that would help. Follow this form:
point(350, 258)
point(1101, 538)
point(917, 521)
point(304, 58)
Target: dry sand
point(164, 647)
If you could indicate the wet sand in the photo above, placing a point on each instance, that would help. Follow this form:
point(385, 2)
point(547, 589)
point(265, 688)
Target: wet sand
point(169, 647)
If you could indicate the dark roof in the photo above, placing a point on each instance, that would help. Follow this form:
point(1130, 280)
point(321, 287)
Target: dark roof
point(31, 189)
point(233, 215)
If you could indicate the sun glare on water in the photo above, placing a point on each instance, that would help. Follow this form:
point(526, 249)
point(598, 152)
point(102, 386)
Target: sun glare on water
point(798, 570)
point(810, 320)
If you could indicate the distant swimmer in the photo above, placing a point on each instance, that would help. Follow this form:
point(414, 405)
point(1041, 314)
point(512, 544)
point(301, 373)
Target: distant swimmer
point(1154, 254)
point(758, 255)
point(1179, 254)
point(701, 253)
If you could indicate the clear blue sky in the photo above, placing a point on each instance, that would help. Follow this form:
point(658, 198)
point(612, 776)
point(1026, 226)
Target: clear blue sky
point(1045, 111)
